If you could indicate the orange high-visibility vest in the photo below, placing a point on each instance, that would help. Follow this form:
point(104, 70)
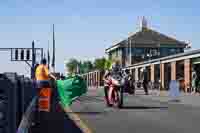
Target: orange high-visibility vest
point(44, 99)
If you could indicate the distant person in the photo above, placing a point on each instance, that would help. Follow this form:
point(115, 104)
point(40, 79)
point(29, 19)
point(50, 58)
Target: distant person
point(194, 76)
point(197, 85)
point(145, 82)
point(106, 79)
point(128, 82)
point(62, 77)
point(197, 79)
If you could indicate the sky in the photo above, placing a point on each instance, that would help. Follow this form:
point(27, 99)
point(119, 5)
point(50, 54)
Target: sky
point(85, 28)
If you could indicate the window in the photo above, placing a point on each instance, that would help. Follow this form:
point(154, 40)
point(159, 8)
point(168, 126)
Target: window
point(154, 52)
point(120, 52)
point(127, 51)
point(139, 51)
point(164, 51)
point(179, 50)
point(172, 50)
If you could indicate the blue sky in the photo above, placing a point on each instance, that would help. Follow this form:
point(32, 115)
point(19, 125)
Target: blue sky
point(84, 28)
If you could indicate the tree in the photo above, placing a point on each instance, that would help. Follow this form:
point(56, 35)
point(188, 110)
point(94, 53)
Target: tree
point(72, 65)
point(87, 66)
point(100, 63)
point(108, 64)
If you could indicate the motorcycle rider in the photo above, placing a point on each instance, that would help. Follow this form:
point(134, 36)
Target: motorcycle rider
point(114, 71)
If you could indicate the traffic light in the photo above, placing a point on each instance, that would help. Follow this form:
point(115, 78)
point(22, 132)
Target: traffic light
point(22, 54)
point(28, 54)
point(16, 54)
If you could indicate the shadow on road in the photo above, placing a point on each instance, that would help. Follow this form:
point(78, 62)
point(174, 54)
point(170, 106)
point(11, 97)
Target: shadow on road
point(87, 113)
point(90, 99)
point(56, 122)
point(143, 107)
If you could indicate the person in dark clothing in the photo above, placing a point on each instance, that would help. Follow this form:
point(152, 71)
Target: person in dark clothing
point(197, 84)
point(197, 79)
point(128, 82)
point(62, 77)
point(106, 85)
point(116, 69)
point(145, 82)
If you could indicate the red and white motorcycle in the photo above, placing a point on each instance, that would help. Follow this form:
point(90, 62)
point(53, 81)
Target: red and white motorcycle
point(114, 91)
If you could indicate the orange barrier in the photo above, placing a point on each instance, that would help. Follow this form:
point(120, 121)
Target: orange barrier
point(44, 99)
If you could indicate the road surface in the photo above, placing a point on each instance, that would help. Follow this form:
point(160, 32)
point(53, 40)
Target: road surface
point(138, 116)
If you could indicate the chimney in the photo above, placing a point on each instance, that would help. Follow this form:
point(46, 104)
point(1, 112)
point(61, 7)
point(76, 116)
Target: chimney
point(143, 23)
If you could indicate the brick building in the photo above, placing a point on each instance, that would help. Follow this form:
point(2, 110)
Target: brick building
point(146, 44)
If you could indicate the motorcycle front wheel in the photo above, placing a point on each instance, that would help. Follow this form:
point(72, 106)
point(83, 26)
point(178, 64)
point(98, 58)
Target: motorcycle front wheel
point(118, 97)
point(107, 102)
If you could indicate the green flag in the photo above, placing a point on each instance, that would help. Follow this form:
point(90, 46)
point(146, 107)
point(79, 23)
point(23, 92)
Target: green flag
point(70, 89)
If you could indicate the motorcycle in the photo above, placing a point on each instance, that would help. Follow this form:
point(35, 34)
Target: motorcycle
point(115, 91)
point(128, 85)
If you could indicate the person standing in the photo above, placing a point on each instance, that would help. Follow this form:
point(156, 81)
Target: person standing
point(145, 82)
point(106, 79)
point(43, 86)
point(128, 83)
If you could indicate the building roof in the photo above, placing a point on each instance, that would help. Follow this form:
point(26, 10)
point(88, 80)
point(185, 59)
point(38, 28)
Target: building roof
point(181, 56)
point(149, 36)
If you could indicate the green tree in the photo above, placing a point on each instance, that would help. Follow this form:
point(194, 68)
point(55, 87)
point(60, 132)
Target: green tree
point(100, 63)
point(108, 64)
point(72, 65)
point(87, 66)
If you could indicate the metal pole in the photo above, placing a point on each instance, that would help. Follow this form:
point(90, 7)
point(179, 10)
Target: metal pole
point(33, 60)
point(42, 53)
point(130, 54)
point(11, 57)
point(54, 58)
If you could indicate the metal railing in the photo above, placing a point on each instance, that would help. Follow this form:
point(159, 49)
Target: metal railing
point(28, 117)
